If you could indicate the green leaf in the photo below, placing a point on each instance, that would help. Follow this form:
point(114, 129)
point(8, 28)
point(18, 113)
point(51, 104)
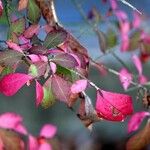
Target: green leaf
point(18, 26)
point(33, 12)
point(33, 71)
point(134, 40)
point(111, 39)
point(7, 70)
point(49, 98)
point(55, 38)
point(66, 73)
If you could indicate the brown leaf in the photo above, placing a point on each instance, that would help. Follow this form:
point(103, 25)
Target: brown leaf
point(22, 4)
point(61, 88)
point(140, 140)
point(11, 140)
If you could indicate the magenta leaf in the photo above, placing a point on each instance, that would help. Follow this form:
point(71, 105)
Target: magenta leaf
point(48, 131)
point(79, 86)
point(30, 31)
point(1, 7)
point(136, 120)
point(137, 62)
point(61, 88)
point(125, 78)
point(39, 93)
point(113, 106)
point(65, 60)
point(11, 83)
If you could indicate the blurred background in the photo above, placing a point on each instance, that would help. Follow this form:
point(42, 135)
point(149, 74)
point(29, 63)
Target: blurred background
point(105, 134)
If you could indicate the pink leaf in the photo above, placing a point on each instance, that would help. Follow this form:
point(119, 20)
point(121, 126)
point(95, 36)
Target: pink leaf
point(30, 31)
point(45, 146)
point(39, 93)
point(1, 7)
point(136, 120)
point(114, 4)
point(14, 46)
point(79, 86)
point(48, 131)
point(137, 63)
point(10, 120)
point(53, 67)
point(33, 143)
point(11, 83)
point(113, 106)
point(136, 20)
point(34, 58)
point(125, 78)
point(142, 79)
point(21, 129)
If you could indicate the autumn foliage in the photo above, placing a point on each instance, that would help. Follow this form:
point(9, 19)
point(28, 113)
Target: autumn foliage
point(58, 66)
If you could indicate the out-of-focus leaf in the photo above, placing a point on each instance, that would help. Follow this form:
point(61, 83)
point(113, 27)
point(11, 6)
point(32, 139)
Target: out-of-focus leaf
point(34, 12)
point(136, 120)
point(11, 140)
point(111, 39)
point(18, 26)
point(11, 83)
point(65, 60)
point(61, 88)
point(6, 71)
point(48, 131)
point(22, 4)
point(55, 38)
point(49, 98)
point(125, 78)
point(134, 41)
point(102, 40)
point(140, 140)
point(31, 30)
point(10, 57)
